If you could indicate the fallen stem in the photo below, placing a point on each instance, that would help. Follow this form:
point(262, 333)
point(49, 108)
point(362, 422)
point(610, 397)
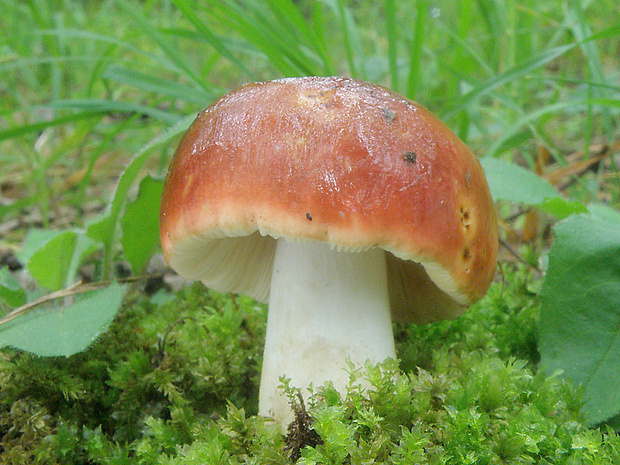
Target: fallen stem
point(75, 289)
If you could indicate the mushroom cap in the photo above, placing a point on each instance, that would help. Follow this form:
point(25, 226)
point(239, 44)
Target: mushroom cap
point(335, 160)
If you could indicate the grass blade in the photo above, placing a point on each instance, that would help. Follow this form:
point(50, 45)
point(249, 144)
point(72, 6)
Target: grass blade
point(508, 133)
point(291, 18)
point(581, 31)
point(510, 75)
point(161, 87)
point(318, 28)
point(171, 52)
point(415, 56)
point(264, 34)
point(110, 106)
point(392, 38)
point(277, 38)
point(17, 131)
point(187, 8)
point(351, 39)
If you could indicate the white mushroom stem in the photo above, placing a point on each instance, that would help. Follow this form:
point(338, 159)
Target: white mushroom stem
point(326, 308)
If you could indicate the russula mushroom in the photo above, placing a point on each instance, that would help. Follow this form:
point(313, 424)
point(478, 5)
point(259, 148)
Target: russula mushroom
point(341, 204)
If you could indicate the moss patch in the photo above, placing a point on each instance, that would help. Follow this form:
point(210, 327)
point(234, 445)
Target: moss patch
point(175, 381)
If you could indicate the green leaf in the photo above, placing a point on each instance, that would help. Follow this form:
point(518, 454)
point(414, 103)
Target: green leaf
point(55, 262)
point(50, 264)
point(63, 330)
point(11, 291)
point(604, 212)
point(508, 181)
point(100, 228)
point(562, 208)
point(35, 239)
point(140, 224)
point(580, 311)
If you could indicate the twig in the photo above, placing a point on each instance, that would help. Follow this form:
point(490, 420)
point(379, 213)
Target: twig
point(161, 342)
point(517, 256)
point(75, 289)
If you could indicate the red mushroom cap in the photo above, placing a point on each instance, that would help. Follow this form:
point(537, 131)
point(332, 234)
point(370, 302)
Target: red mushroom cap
point(334, 160)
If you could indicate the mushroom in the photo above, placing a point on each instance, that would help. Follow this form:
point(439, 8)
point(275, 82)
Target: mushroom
point(341, 204)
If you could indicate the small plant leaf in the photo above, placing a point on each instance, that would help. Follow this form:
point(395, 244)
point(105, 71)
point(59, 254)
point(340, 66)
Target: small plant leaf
point(508, 181)
point(11, 293)
point(63, 330)
point(55, 263)
point(140, 224)
point(562, 208)
point(99, 228)
point(49, 265)
point(513, 183)
point(580, 310)
point(35, 239)
point(604, 212)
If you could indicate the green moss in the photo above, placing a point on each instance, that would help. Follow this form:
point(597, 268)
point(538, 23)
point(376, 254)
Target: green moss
point(176, 382)
point(140, 388)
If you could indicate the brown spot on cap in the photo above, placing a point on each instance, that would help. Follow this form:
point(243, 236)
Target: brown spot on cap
point(410, 157)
